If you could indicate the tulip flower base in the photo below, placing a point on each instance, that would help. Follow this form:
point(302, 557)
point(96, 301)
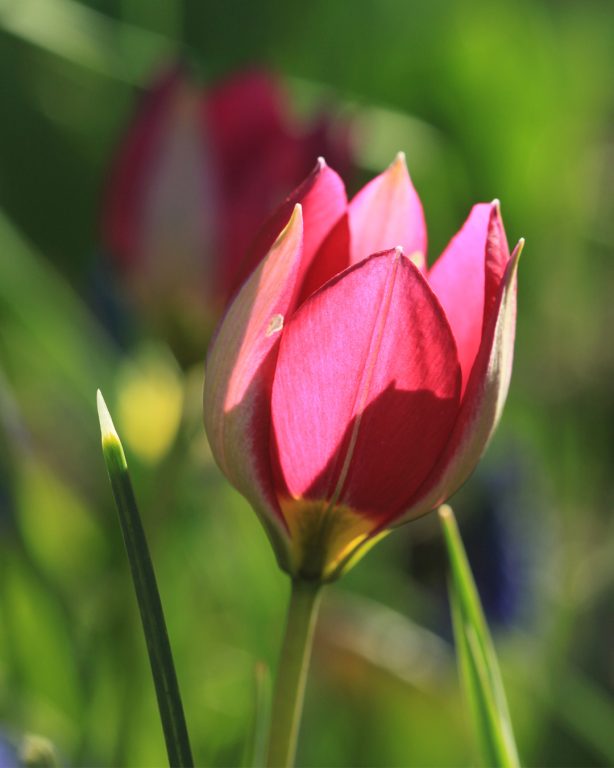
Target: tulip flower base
point(324, 539)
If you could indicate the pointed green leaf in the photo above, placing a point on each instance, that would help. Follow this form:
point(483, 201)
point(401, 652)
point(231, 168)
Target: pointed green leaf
point(148, 597)
point(479, 669)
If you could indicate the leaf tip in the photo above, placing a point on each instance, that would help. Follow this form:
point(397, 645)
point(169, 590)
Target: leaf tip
point(111, 444)
point(107, 428)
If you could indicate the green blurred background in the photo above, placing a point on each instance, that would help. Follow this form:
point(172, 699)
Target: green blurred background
point(488, 99)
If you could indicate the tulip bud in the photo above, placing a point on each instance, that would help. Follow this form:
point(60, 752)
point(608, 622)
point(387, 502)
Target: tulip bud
point(349, 388)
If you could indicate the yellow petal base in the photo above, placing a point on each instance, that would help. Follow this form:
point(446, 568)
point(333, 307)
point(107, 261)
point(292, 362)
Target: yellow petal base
point(325, 539)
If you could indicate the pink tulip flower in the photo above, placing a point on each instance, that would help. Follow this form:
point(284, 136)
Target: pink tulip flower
point(193, 179)
point(350, 388)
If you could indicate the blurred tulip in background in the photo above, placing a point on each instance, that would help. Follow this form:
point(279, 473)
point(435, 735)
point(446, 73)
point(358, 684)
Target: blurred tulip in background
point(194, 177)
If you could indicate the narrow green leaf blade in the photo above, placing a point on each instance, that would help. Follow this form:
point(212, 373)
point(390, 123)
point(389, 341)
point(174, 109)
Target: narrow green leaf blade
point(477, 660)
point(470, 680)
point(148, 597)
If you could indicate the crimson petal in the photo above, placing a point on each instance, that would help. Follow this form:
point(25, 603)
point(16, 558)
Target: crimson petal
point(387, 213)
point(466, 279)
point(323, 200)
point(366, 388)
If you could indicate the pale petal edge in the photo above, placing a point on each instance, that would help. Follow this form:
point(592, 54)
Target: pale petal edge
point(240, 365)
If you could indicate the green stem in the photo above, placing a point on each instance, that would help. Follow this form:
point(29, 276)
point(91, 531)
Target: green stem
point(292, 673)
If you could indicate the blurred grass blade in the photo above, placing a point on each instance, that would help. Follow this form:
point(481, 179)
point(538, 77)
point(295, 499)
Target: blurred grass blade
point(87, 37)
point(477, 660)
point(256, 743)
point(156, 636)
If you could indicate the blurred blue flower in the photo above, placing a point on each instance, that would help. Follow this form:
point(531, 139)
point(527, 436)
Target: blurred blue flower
point(8, 753)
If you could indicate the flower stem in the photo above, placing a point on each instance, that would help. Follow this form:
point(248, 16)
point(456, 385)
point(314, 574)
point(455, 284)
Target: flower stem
point(292, 673)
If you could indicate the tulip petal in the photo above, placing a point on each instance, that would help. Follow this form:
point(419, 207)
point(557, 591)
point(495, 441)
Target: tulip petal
point(466, 278)
point(366, 388)
point(387, 213)
point(482, 403)
point(239, 371)
point(323, 200)
point(332, 257)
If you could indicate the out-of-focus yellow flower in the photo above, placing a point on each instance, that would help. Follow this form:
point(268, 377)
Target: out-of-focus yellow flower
point(150, 399)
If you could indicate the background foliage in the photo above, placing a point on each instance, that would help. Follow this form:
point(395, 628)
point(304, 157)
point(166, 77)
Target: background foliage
point(488, 99)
